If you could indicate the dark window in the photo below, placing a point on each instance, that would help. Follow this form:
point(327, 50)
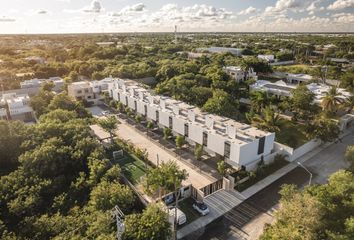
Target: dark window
point(227, 150)
point(205, 139)
point(170, 122)
point(157, 116)
point(261, 145)
point(79, 91)
point(186, 130)
point(145, 110)
point(135, 105)
point(126, 100)
point(86, 90)
point(118, 96)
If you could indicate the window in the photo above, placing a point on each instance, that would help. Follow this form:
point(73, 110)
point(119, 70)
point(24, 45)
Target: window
point(135, 106)
point(205, 139)
point(79, 92)
point(227, 150)
point(145, 110)
point(118, 95)
point(86, 90)
point(186, 130)
point(261, 145)
point(126, 100)
point(170, 122)
point(157, 116)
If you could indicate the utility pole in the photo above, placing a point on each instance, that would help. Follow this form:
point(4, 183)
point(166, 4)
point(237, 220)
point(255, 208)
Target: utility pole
point(118, 216)
point(176, 40)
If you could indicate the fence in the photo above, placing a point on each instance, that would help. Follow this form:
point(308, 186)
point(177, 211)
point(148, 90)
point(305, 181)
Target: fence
point(294, 154)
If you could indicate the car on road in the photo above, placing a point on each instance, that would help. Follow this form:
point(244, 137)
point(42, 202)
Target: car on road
point(181, 217)
point(105, 113)
point(201, 208)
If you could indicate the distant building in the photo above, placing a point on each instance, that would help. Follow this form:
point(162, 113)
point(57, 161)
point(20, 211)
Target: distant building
point(89, 91)
point(36, 59)
point(268, 58)
point(37, 83)
point(280, 88)
point(105, 44)
point(298, 78)
point(16, 107)
point(234, 51)
point(238, 73)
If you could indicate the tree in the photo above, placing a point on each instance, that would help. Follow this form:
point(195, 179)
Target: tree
point(179, 141)
point(221, 166)
point(109, 124)
point(165, 178)
point(349, 155)
point(221, 104)
point(324, 129)
point(167, 133)
point(298, 218)
point(331, 100)
point(198, 152)
point(40, 102)
point(259, 100)
point(302, 103)
point(108, 194)
point(269, 120)
point(152, 224)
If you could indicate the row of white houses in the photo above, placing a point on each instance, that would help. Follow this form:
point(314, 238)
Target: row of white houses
point(240, 144)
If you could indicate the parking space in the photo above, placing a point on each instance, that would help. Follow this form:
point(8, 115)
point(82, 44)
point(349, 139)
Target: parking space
point(96, 111)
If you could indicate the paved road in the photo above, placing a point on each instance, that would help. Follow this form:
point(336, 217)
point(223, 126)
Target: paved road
point(246, 221)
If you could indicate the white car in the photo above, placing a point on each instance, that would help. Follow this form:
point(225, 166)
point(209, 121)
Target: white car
point(181, 217)
point(201, 207)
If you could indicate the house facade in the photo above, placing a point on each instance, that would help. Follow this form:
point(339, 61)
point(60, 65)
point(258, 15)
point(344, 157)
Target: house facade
point(240, 144)
point(238, 74)
point(16, 107)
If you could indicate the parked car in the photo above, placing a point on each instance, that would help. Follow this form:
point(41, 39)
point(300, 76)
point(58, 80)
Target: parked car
point(105, 113)
point(181, 217)
point(169, 199)
point(201, 207)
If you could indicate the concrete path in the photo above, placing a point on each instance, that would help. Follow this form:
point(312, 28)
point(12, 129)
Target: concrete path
point(219, 203)
point(129, 133)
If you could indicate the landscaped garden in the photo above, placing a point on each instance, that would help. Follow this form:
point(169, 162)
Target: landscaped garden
point(291, 134)
point(262, 172)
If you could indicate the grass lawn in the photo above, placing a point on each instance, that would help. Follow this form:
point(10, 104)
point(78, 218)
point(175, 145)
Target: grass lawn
point(186, 207)
point(291, 134)
point(132, 167)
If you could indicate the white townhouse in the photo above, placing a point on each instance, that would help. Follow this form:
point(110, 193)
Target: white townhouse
point(16, 107)
point(240, 144)
point(238, 74)
point(268, 58)
point(298, 78)
point(89, 91)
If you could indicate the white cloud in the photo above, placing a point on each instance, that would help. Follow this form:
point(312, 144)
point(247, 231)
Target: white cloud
point(7, 19)
point(95, 7)
point(247, 11)
point(42, 11)
point(341, 4)
point(285, 5)
point(129, 10)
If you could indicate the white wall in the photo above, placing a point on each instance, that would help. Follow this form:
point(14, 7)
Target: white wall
point(178, 125)
point(196, 133)
point(216, 143)
point(164, 118)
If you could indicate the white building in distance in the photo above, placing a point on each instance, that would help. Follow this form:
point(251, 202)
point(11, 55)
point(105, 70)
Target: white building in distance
point(298, 78)
point(280, 88)
point(37, 83)
point(268, 58)
point(234, 51)
point(16, 107)
point(89, 91)
point(240, 144)
point(238, 74)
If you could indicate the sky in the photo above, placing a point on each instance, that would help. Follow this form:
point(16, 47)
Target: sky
point(89, 16)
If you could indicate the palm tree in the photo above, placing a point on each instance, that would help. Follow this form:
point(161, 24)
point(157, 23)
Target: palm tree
point(269, 120)
point(331, 100)
point(259, 100)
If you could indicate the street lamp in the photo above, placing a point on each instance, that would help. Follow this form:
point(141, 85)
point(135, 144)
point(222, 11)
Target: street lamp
point(306, 171)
